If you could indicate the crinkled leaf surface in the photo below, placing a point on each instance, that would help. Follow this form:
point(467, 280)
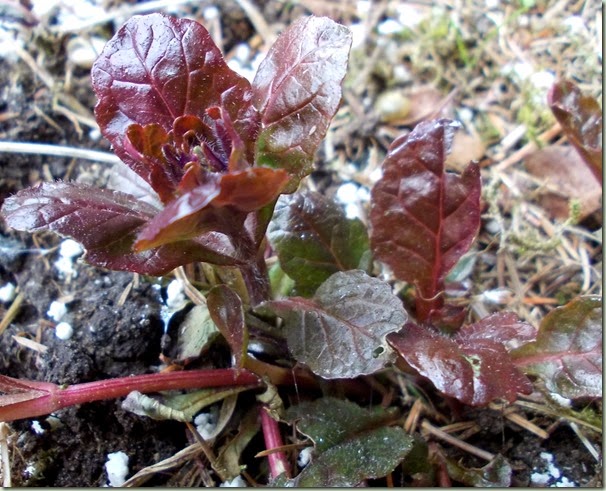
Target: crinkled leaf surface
point(581, 119)
point(567, 353)
point(297, 90)
point(225, 307)
point(351, 443)
point(473, 366)
point(329, 421)
point(157, 68)
point(340, 332)
point(106, 223)
point(424, 219)
point(314, 239)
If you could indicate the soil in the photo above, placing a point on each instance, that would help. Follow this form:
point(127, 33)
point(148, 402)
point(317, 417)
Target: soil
point(118, 333)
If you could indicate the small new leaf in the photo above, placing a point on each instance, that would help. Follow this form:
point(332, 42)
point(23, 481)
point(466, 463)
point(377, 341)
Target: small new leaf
point(567, 353)
point(423, 219)
point(340, 332)
point(225, 307)
point(297, 91)
point(314, 239)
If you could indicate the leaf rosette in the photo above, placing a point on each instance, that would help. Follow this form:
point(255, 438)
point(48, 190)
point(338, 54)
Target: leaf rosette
point(190, 129)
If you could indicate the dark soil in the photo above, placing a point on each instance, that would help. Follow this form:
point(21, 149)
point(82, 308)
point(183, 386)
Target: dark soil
point(112, 339)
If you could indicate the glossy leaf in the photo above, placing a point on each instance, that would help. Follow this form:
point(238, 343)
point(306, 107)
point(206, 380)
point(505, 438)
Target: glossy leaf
point(314, 239)
point(567, 353)
point(340, 332)
point(225, 307)
point(424, 219)
point(580, 116)
point(158, 68)
point(106, 223)
point(350, 443)
point(218, 205)
point(297, 90)
point(473, 366)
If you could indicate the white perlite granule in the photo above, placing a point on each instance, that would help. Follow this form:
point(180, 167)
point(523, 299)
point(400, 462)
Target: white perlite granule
point(7, 293)
point(116, 468)
point(64, 331)
point(56, 310)
point(236, 482)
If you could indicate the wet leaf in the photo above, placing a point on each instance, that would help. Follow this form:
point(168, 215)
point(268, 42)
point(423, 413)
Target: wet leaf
point(314, 239)
point(580, 116)
point(157, 68)
point(370, 456)
point(329, 421)
point(474, 366)
point(340, 332)
point(567, 353)
point(225, 307)
point(351, 444)
point(297, 90)
point(82, 212)
point(424, 219)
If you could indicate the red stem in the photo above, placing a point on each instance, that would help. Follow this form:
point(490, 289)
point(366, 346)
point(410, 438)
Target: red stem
point(278, 463)
point(57, 397)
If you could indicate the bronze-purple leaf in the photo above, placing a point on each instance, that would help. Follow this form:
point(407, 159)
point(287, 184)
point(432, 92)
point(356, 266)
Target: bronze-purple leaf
point(106, 223)
point(158, 68)
point(423, 219)
point(340, 332)
point(226, 311)
point(297, 90)
point(580, 116)
point(474, 366)
point(567, 353)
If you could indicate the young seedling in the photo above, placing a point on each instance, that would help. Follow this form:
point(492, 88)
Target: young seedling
point(209, 155)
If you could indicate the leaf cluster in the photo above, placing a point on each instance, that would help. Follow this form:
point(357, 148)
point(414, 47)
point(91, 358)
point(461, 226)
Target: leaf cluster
point(213, 167)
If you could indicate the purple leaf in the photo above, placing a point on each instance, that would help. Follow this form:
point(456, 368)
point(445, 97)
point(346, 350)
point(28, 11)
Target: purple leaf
point(106, 223)
point(474, 366)
point(158, 68)
point(297, 90)
point(220, 204)
point(314, 239)
point(424, 219)
point(340, 333)
point(227, 313)
point(581, 119)
point(567, 354)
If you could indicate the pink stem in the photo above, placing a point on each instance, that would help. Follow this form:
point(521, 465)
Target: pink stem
point(57, 397)
point(278, 463)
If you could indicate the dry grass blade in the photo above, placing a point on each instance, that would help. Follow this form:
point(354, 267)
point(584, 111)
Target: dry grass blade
point(442, 435)
point(58, 151)
point(171, 462)
point(11, 312)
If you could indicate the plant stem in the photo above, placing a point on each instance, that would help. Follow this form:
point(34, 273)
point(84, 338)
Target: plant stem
point(55, 397)
point(278, 463)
